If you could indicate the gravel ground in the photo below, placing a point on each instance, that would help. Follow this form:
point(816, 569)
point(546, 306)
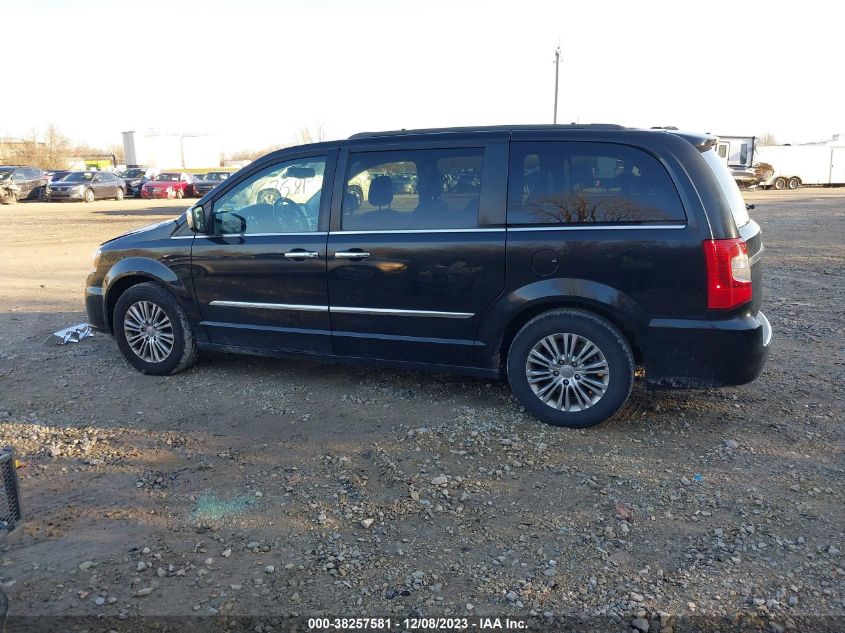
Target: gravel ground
point(266, 488)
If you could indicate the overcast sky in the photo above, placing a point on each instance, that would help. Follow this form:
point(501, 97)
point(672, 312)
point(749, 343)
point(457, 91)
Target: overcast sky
point(255, 72)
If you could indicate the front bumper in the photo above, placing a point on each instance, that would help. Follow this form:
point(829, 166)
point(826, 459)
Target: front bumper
point(96, 307)
point(157, 193)
point(705, 353)
point(64, 195)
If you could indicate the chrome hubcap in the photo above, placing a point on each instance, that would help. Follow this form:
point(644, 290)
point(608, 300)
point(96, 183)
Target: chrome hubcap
point(148, 331)
point(567, 372)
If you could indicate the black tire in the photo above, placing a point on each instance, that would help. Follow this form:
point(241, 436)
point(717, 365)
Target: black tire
point(794, 183)
point(779, 183)
point(89, 196)
point(606, 337)
point(184, 351)
point(119, 195)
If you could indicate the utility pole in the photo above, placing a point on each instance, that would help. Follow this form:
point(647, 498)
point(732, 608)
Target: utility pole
point(557, 73)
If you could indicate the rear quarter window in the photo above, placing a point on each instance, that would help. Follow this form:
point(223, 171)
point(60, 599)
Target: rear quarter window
point(583, 183)
point(729, 188)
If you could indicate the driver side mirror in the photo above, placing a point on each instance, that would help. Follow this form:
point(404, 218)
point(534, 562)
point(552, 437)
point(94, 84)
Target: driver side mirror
point(196, 219)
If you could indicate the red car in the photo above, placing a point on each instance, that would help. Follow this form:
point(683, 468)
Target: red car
point(169, 185)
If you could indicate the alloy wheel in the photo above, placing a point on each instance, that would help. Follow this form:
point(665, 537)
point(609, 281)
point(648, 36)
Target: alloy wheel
point(148, 331)
point(567, 372)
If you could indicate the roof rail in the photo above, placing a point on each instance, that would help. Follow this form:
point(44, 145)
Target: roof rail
point(488, 128)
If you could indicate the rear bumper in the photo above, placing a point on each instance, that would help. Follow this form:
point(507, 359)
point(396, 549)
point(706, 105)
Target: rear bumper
point(96, 307)
point(698, 353)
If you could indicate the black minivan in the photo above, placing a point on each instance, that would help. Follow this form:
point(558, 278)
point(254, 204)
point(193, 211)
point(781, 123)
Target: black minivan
point(561, 257)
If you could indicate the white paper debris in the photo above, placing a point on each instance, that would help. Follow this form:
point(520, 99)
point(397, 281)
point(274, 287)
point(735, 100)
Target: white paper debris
point(72, 334)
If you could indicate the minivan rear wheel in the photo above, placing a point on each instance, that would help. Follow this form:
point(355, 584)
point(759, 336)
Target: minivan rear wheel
point(152, 330)
point(570, 368)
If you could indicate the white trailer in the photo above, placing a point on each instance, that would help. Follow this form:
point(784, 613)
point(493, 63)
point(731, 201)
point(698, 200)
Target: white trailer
point(796, 165)
point(737, 152)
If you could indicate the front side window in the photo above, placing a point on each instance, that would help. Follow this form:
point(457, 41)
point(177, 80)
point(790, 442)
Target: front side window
point(412, 190)
point(282, 198)
point(583, 183)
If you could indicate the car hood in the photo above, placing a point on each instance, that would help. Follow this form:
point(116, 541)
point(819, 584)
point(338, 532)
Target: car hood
point(159, 230)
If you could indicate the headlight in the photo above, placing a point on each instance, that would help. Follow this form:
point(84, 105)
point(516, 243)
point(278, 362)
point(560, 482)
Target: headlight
point(78, 187)
point(95, 257)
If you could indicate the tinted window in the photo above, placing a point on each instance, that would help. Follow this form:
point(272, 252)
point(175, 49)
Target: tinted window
point(283, 198)
point(729, 188)
point(412, 189)
point(577, 183)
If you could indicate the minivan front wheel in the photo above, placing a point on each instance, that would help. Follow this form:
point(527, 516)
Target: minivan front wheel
point(570, 368)
point(152, 330)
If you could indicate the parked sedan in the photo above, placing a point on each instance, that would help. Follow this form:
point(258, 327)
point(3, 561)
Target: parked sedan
point(57, 175)
point(210, 181)
point(169, 185)
point(135, 177)
point(21, 182)
point(87, 186)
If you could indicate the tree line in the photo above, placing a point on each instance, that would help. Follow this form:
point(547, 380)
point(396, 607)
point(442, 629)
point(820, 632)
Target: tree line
point(50, 149)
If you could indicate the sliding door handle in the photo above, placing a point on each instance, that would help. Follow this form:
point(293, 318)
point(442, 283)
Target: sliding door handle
point(353, 254)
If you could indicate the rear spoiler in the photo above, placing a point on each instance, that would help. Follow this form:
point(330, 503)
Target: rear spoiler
point(702, 142)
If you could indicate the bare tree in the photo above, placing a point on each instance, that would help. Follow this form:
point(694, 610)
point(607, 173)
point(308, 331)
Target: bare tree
point(56, 148)
point(252, 154)
point(307, 135)
point(766, 139)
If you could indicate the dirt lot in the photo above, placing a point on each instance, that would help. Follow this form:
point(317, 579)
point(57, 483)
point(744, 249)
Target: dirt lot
point(259, 487)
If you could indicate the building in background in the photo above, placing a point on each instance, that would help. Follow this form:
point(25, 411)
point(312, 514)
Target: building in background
point(171, 151)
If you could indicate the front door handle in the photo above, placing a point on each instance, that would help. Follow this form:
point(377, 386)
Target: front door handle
point(353, 254)
point(301, 254)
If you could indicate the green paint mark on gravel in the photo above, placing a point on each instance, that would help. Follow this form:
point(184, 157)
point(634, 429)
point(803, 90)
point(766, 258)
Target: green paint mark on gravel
point(210, 508)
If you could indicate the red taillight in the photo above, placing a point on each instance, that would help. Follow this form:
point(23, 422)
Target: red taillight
point(728, 273)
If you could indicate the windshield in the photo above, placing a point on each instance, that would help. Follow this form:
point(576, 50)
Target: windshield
point(216, 175)
point(167, 178)
point(78, 176)
point(133, 173)
point(729, 188)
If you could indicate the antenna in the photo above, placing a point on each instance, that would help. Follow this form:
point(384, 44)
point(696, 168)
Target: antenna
point(557, 73)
